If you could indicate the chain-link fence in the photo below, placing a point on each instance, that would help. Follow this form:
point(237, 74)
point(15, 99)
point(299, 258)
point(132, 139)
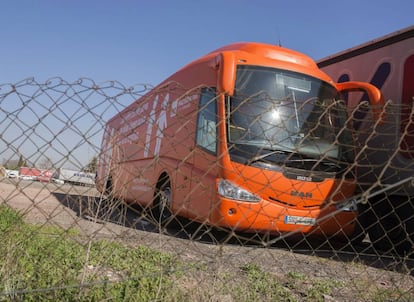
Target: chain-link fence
point(200, 197)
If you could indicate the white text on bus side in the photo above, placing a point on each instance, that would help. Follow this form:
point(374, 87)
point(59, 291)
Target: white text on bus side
point(160, 123)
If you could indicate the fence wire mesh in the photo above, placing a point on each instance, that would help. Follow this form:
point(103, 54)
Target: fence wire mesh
point(201, 197)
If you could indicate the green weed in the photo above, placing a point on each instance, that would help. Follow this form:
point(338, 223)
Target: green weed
point(262, 286)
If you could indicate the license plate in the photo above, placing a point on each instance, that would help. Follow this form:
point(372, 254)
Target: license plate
point(300, 220)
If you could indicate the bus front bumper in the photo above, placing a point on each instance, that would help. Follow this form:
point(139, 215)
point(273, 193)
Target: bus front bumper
point(271, 217)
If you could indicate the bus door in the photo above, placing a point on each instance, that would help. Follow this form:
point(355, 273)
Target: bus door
point(206, 164)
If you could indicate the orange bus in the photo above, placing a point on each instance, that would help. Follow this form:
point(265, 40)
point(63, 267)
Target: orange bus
point(252, 137)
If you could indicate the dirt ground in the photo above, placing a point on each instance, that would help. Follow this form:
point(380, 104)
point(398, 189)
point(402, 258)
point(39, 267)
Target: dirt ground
point(359, 267)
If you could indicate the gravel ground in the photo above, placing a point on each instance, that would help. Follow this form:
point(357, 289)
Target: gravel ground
point(360, 268)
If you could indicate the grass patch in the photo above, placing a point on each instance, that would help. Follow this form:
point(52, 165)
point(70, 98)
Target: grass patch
point(8, 218)
point(50, 266)
point(263, 286)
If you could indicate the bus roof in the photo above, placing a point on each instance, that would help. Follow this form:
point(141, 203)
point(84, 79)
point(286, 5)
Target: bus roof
point(269, 51)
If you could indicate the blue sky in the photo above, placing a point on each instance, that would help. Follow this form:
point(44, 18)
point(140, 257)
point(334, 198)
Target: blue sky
point(146, 41)
point(143, 42)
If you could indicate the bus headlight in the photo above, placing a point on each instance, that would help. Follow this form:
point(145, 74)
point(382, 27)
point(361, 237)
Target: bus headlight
point(231, 191)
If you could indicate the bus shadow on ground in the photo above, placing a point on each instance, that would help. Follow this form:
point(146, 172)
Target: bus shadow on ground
point(93, 209)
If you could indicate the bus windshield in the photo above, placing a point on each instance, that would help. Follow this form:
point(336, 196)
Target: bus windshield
point(279, 110)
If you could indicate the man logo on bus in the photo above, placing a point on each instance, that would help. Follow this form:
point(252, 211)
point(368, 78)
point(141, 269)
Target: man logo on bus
point(301, 194)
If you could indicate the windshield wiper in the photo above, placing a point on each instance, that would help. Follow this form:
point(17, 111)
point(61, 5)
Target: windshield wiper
point(293, 157)
point(262, 156)
point(326, 161)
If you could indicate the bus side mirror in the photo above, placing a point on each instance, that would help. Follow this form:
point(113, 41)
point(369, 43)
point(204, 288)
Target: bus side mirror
point(375, 96)
point(225, 63)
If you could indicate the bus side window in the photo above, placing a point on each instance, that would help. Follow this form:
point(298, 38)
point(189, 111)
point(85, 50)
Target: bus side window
point(207, 120)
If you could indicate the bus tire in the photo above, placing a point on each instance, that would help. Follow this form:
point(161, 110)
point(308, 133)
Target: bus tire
point(392, 224)
point(161, 209)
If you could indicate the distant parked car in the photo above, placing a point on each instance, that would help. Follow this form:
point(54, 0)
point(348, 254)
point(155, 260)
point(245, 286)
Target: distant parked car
point(12, 173)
